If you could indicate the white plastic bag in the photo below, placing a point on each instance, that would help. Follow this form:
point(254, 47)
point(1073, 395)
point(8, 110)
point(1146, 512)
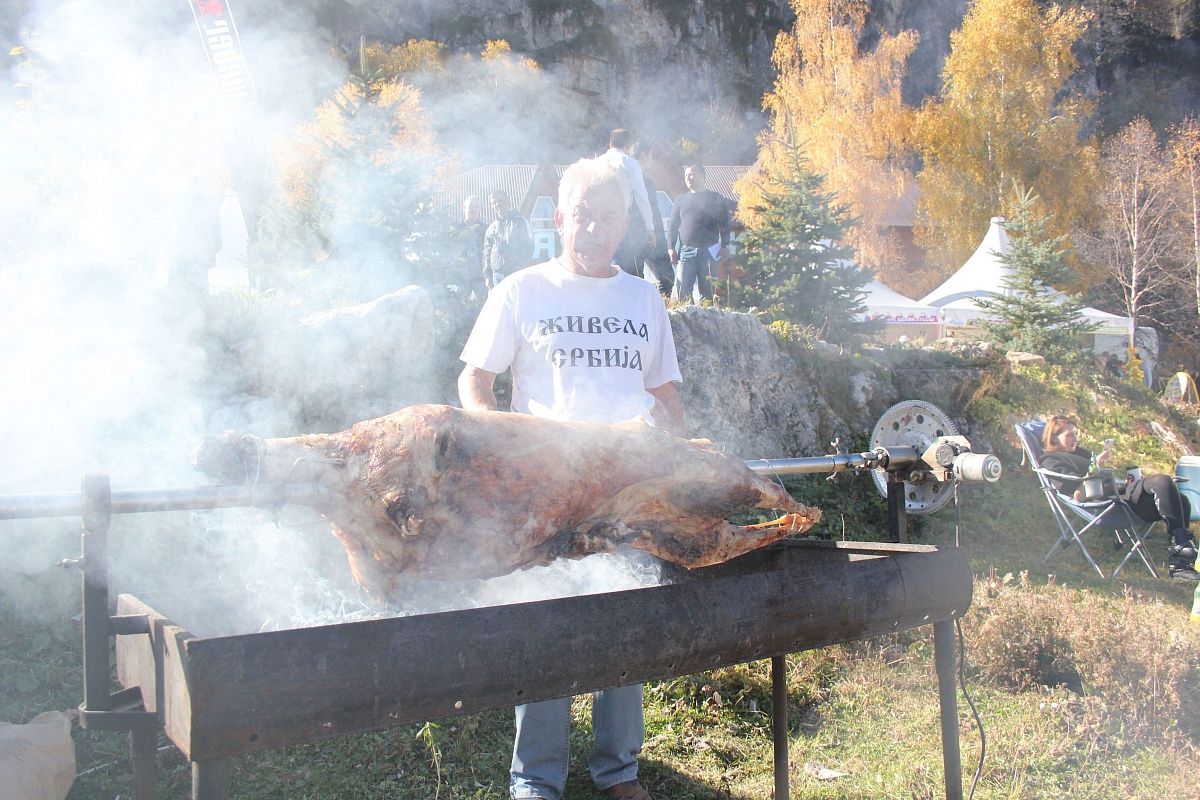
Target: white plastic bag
point(37, 759)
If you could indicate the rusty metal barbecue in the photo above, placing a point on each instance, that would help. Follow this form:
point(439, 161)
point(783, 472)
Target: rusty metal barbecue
point(302, 685)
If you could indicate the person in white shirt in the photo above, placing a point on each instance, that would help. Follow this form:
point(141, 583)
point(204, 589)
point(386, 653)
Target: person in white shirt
point(584, 341)
point(639, 236)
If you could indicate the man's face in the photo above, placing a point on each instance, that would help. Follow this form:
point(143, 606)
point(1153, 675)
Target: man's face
point(591, 226)
point(500, 204)
point(693, 179)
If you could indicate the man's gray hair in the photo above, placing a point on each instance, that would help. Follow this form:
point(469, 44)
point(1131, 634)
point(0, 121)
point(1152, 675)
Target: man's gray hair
point(588, 172)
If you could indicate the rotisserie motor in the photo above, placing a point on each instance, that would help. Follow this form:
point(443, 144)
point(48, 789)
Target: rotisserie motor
point(438, 492)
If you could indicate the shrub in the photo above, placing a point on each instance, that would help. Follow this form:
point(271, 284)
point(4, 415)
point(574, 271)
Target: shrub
point(1138, 657)
point(1020, 643)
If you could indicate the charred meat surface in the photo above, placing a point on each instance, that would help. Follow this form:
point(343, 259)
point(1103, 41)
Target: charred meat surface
point(438, 492)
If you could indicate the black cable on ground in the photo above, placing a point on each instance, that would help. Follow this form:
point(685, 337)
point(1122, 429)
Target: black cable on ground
point(957, 515)
point(962, 667)
point(962, 683)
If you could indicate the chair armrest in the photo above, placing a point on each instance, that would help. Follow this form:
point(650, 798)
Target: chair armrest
point(1051, 474)
point(1104, 499)
point(1096, 502)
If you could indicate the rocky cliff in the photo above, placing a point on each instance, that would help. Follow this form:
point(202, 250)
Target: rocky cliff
point(698, 68)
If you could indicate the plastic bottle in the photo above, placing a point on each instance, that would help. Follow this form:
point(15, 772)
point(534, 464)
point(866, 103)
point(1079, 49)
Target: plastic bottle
point(1196, 605)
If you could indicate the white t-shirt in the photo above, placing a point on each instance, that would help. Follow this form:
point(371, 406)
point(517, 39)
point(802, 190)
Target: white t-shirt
point(637, 183)
point(580, 348)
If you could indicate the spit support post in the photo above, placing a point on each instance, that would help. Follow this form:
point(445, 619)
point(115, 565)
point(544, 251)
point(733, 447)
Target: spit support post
point(102, 708)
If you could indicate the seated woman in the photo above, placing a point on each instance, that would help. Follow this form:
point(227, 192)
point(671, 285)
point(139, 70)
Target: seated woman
point(1152, 498)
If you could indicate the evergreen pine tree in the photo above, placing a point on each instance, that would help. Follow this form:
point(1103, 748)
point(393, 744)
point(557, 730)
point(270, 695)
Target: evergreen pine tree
point(1031, 315)
point(353, 218)
point(796, 266)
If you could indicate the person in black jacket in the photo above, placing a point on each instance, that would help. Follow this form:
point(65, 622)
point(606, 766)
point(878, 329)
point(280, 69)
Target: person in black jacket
point(473, 228)
point(1153, 497)
point(656, 257)
point(507, 243)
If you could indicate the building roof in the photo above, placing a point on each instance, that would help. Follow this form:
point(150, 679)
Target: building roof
point(517, 180)
point(721, 179)
point(514, 179)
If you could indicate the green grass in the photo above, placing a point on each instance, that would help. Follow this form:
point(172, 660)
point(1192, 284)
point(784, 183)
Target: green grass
point(868, 710)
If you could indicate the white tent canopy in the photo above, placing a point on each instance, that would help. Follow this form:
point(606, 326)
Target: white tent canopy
point(983, 273)
point(983, 276)
point(965, 312)
point(1106, 323)
point(892, 307)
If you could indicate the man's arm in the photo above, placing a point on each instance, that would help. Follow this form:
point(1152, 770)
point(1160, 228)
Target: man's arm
point(476, 389)
point(668, 408)
point(673, 231)
point(723, 222)
point(489, 241)
point(641, 199)
point(485, 253)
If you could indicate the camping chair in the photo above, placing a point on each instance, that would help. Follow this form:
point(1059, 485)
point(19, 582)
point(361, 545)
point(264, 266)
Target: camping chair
point(1075, 518)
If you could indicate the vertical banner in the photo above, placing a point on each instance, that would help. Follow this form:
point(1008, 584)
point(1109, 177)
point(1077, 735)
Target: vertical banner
point(224, 50)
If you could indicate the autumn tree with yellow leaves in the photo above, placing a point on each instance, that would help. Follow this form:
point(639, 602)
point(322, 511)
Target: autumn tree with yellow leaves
point(497, 107)
point(351, 215)
point(1006, 115)
point(842, 109)
point(401, 61)
point(353, 206)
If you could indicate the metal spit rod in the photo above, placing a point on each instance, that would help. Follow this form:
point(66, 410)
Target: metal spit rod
point(883, 457)
point(134, 501)
point(71, 504)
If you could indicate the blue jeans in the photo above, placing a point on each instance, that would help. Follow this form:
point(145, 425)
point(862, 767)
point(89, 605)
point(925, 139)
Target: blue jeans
point(542, 747)
point(695, 265)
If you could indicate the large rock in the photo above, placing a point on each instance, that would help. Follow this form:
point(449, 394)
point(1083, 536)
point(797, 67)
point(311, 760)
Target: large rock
point(740, 387)
point(764, 398)
point(1019, 359)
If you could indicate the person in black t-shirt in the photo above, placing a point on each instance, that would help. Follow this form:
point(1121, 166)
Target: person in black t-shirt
point(699, 228)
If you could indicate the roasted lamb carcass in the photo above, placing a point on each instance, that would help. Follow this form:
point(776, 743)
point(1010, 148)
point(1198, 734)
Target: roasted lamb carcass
point(439, 492)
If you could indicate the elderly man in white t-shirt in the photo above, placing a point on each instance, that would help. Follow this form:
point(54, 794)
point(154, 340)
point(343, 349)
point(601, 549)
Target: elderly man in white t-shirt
point(584, 341)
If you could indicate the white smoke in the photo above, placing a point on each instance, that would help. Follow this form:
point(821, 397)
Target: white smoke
point(249, 574)
point(115, 146)
point(116, 150)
